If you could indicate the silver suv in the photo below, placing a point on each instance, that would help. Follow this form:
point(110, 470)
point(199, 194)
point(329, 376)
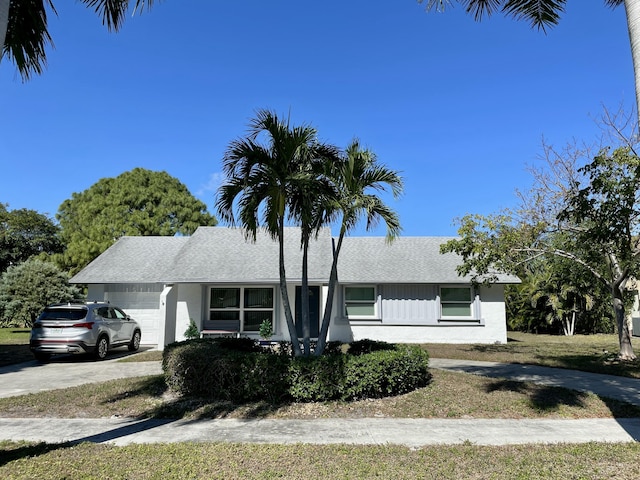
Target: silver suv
point(92, 327)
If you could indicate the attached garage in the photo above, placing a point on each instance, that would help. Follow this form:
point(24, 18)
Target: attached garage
point(132, 283)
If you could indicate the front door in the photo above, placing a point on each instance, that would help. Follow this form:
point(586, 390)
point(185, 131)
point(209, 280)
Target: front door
point(314, 311)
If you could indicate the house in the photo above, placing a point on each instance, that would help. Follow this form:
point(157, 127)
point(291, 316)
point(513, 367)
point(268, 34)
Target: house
point(406, 291)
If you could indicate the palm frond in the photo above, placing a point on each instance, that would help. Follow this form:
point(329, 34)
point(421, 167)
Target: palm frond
point(539, 13)
point(28, 36)
point(113, 12)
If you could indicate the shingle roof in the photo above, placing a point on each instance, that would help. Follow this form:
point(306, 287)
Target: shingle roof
point(224, 255)
point(132, 260)
point(221, 254)
point(405, 260)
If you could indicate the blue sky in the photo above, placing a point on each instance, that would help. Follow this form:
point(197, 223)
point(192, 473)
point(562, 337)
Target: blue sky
point(459, 107)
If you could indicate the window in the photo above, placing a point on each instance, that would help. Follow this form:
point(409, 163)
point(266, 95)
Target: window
point(360, 302)
point(258, 307)
point(249, 307)
point(455, 302)
point(224, 304)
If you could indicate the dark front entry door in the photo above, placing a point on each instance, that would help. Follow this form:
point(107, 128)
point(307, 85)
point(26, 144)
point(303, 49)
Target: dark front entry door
point(314, 311)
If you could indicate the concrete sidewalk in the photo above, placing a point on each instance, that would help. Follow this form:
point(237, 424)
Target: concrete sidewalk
point(32, 377)
point(363, 431)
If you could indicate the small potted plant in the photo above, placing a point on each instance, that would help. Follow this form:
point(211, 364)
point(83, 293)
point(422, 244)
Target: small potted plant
point(266, 331)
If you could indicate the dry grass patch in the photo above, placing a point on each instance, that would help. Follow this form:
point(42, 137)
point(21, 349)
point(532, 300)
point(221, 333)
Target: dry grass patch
point(449, 395)
point(590, 353)
point(252, 461)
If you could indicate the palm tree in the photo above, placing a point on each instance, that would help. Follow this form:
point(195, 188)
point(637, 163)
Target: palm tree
point(355, 177)
point(24, 33)
point(314, 190)
point(273, 183)
point(546, 13)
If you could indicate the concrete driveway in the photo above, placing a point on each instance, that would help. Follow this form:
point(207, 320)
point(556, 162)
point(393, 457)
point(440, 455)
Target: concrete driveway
point(69, 371)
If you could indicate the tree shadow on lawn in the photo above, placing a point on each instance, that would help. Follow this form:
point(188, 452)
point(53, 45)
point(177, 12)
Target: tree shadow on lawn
point(541, 398)
point(198, 408)
point(606, 363)
point(20, 451)
point(549, 399)
point(175, 406)
point(13, 354)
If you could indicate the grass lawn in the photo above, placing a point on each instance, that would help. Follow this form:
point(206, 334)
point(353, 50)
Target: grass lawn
point(590, 353)
point(449, 395)
point(328, 462)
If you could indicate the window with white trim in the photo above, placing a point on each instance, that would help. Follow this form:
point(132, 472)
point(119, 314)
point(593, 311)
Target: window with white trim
point(360, 302)
point(456, 302)
point(249, 306)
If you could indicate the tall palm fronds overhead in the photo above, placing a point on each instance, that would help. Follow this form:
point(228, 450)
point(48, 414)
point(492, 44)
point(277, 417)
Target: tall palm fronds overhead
point(24, 33)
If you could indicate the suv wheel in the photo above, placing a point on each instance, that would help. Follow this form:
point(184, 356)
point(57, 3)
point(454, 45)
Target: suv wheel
point(134, 344)
point(102, 347)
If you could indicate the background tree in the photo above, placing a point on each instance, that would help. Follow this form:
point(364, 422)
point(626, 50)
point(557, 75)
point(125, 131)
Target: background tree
point(552, 286)
point(24, 233)
point(595, 212)
point(546, 13)
point(27, 288)
point(24, 33)
point(137, 202)
point(560, 295)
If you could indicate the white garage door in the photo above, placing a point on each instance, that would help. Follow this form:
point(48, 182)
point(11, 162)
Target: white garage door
point(142, 302)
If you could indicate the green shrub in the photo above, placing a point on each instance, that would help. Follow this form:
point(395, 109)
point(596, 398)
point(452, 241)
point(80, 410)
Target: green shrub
point(238, 370)
point(360, 347)
point(316, 379)
point(237, 344)
point(225, 370)
point(384, 373)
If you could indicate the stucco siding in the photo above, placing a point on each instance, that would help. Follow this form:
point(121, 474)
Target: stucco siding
point(189, 306)
point(410, 314)
point(494, 313)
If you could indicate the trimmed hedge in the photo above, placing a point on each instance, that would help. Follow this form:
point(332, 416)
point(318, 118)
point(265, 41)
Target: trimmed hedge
point(229, 369)
point(240, 370)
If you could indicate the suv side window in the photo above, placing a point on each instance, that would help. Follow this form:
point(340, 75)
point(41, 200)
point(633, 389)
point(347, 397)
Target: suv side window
point(103, 312)
point(119, 314)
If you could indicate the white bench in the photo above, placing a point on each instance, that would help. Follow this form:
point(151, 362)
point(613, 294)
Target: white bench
point(219, 333)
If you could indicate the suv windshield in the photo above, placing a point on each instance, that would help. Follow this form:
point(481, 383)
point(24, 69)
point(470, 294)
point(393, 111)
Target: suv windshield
point(63, 314)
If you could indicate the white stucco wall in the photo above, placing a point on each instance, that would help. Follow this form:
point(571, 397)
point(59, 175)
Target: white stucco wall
point(188, 306)
point(492, 330)
point(179, 303)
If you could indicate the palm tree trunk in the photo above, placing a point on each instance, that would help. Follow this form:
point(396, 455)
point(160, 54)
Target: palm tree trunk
point(295, 345)
point(632, 8)
point(4, 23)
point(333, 279)
point(304, 298)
